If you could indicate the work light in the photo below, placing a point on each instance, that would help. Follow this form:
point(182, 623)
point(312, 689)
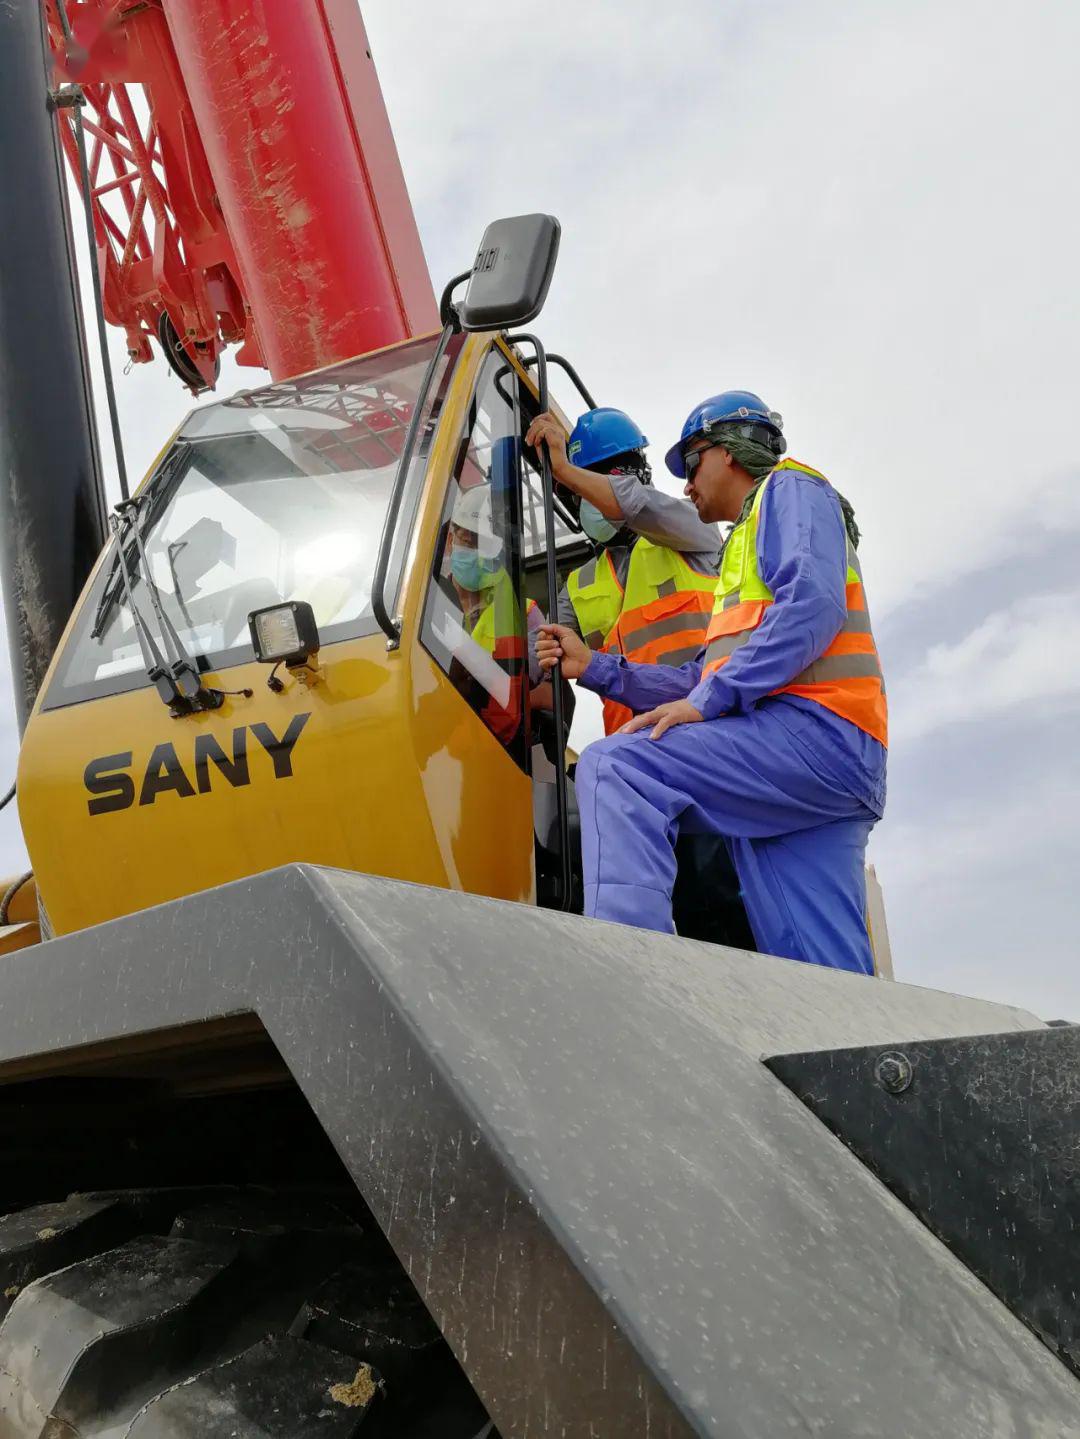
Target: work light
point(284, 634)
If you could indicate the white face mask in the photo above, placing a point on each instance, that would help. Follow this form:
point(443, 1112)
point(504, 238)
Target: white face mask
point(597, 526)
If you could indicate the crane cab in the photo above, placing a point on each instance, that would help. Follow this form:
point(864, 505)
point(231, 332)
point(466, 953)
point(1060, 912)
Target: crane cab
point(415, 760)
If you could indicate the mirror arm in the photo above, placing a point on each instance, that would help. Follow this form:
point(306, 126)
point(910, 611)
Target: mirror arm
point(391, 627)
point(561, 796)
point(447, 310)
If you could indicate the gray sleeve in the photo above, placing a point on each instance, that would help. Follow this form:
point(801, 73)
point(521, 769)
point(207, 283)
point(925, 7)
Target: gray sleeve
point(534, 620)
point(666, 520)
point(566, 615)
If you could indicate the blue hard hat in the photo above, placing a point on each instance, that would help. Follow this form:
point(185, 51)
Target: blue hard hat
point(731, 407)
point(601, 435)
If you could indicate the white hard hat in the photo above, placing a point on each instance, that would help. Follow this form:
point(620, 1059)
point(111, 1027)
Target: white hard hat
point(472, 511)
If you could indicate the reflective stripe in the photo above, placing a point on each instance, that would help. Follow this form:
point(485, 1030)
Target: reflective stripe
point(594, 640)
point(669, 587)
point(839, 667)
point(619, 560)
point(725, 645)
point(587, 574)
point(669, 625)
point(676, 658)
point(857, 623)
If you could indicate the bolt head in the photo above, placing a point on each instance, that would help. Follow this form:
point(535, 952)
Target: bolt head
point(893, 1071)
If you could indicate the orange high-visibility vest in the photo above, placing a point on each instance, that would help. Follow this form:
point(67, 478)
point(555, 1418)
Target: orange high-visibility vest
point(659, 618)
point(846, 677)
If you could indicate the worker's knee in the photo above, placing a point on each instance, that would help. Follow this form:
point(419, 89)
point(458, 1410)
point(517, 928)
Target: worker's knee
point(592, 760)
point(603, 759)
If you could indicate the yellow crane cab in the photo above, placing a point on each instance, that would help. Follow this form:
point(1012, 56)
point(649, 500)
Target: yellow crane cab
point(394, 729)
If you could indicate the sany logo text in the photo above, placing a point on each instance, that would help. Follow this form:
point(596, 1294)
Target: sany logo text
point(108, 779)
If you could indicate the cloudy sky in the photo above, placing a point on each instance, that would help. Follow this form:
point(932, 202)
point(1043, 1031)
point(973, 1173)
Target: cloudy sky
point(867, 213)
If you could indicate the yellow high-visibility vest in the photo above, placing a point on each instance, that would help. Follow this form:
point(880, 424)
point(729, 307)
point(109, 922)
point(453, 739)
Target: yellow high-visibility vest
point(660, 618)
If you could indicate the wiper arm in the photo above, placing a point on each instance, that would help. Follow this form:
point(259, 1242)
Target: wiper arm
point(109, 595)
point(152, 657)
point(174, 674)
point(152, 498)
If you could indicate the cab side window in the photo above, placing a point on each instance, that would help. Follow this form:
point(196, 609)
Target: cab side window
point(474, 623)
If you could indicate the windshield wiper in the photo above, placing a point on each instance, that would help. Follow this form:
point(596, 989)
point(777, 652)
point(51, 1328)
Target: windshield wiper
point(153, 497)
point(174, 675)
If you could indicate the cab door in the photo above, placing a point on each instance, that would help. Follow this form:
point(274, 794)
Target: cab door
point(470, 655)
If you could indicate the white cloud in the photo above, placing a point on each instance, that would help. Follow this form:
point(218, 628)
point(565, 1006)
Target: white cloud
point(1027, 655)
point(980, 883)
point(976, 842)
point(858, 210)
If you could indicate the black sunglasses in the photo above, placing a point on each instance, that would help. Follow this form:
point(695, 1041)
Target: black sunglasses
point(692, 458)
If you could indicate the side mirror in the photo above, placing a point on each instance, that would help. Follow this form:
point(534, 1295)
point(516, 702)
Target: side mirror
point(512, 273)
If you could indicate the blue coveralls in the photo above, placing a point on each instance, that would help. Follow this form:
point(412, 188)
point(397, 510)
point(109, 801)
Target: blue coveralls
point(793, 788)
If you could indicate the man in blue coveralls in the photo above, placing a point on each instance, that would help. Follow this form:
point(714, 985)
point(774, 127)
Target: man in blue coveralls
point(774, 736)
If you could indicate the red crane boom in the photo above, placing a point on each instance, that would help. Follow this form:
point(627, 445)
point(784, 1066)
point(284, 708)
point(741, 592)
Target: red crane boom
point(245, 187)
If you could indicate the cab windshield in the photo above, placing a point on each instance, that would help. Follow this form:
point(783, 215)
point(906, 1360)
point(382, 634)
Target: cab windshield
point(276, 494)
